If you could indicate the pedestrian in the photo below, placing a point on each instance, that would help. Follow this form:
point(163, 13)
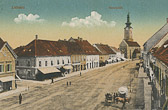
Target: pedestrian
point(70, 83)
point(117, 98)
point(67, 83)
point(52, 80)
point(114, 96)
point(20, 98)
point(124, 101)
point(27, 87)
point(80, 73)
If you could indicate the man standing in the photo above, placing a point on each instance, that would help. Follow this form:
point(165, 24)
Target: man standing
point(20, 98)
point(52, 80)
point(124, 101)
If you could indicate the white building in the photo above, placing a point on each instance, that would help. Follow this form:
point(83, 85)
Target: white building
point(42, 59)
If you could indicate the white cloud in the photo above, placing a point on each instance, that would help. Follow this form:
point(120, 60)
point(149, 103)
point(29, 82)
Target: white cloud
point(90, 21)
point(28, 18)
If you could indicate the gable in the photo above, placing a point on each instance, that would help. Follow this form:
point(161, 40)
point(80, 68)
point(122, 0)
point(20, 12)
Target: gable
point(6, 55)
point(123, 44)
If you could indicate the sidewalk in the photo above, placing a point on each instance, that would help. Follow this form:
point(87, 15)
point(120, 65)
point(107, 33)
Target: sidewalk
point(143, 95)
point(70, 75)
point(18, 90)
point(21, 89)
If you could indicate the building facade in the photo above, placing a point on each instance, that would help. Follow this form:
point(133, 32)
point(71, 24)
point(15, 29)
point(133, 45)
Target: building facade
point(91, 58)
point(7, 67)
point(156, 66)
point(42, 59)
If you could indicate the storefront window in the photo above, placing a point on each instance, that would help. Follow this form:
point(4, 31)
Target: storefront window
point(51, 63)
point(45, 63)
point(39, 63)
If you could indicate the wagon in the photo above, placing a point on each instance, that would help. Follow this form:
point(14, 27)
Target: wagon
point(108, 98)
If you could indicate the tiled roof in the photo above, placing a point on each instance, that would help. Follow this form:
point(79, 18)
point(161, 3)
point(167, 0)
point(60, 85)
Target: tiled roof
point(1, 43)
point(162, 53)
point(72, 47)
point(104, 49)
point(132, 43)
point(115, 49)
point(42, 48)
point(87, 47)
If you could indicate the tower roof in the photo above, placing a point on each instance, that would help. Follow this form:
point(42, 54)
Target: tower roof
point(128, 23)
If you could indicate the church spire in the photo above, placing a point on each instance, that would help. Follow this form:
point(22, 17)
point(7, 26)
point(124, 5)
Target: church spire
point(128, 23)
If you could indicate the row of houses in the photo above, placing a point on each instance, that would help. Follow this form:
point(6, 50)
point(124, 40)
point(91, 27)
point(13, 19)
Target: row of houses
point(155, 57)
point(45, 59)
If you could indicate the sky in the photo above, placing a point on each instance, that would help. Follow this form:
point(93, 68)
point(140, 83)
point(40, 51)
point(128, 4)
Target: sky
point(93, 20)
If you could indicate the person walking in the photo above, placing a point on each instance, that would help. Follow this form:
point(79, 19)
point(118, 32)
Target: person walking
point(117, 98)
point(52, 80)
point(114, 96)
point(124, 101)
point(67, 83)
point(20, 98)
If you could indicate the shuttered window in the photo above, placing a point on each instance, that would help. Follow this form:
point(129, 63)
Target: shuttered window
point(9, 67)
point(166, 85)
point(1, 68)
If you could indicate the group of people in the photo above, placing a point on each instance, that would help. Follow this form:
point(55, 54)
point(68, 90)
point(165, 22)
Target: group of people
point(68, 83)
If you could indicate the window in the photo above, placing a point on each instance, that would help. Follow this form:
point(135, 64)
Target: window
point(17, 63)
point(58, 62)
point(29, 73)
point(51, 63)
point(17, 72)
point(45, 63)
point(1, 68)
point(28, 63)
point(9, 67)
point(62, 61)
point(39, 63)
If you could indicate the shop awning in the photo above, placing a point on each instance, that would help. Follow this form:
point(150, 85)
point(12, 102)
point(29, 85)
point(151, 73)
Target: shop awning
point(47, 70)
point(6, 79)
point(76, 64)
point(109, 60)
point(67, 67)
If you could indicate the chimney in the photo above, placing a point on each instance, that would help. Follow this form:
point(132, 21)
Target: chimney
point(167, 20)
point(36, 37)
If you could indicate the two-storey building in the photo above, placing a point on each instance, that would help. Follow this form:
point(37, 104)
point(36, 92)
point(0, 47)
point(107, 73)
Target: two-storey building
point(7, 67)
point(41, 59)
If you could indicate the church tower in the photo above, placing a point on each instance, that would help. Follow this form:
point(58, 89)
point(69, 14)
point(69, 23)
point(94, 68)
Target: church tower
point(128, 30)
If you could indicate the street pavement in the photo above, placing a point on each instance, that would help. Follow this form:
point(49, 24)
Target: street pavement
point(86, 92)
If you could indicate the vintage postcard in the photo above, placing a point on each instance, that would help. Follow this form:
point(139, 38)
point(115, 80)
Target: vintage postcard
point(83, 55)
